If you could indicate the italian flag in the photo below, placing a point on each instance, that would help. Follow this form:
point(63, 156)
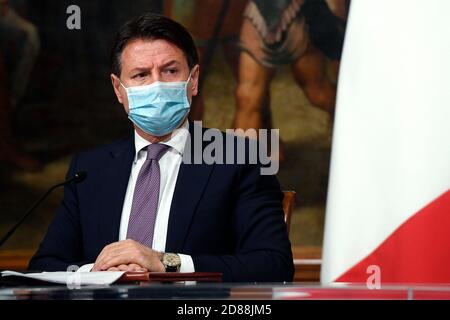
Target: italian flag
point(388, 206)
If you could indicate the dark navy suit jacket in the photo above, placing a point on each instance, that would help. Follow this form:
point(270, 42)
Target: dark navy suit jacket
point(228, 217)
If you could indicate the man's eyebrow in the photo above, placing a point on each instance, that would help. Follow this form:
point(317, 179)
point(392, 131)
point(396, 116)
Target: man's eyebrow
point(146, 69)
point(170, 63)
point(140, 69)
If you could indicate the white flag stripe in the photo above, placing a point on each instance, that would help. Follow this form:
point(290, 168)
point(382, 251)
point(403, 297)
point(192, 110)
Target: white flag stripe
point(391, 144)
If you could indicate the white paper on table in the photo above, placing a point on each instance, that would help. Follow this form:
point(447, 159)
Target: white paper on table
point(71, 278)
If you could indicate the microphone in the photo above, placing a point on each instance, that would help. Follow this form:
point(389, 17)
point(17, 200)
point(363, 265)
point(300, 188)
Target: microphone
point(76, 178)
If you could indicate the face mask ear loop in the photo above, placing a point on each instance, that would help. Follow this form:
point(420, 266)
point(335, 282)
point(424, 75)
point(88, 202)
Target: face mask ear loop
point(122, 84)
point(186, 87)
point(189, 78)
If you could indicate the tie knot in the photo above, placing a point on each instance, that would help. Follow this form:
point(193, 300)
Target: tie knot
point(156, 151)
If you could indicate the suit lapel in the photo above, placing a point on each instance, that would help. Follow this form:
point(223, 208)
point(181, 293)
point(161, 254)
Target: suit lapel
point(115, 178)
point(191, 182)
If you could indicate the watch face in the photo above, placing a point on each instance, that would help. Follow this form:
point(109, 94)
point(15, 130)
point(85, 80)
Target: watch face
point(171, 260)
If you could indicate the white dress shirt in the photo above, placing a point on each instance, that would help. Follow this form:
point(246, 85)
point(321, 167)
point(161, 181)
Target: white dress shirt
point(169, 165)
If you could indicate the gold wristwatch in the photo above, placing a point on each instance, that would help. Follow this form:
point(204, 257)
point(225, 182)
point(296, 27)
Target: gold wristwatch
point(171, 262)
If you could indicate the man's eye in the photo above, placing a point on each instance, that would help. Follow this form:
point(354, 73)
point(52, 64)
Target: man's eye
point(171, 71)
point(139, 75)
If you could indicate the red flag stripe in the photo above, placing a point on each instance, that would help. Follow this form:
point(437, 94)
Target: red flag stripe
point(417, 252)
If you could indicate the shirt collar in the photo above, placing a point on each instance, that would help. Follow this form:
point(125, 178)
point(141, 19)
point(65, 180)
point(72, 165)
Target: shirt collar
point(176, 141)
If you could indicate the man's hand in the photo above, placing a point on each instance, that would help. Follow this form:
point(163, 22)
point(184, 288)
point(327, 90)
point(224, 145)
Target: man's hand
point(128, 267)
point(127, 254)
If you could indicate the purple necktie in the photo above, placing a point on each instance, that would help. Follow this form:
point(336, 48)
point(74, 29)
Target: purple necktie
point(146, 196)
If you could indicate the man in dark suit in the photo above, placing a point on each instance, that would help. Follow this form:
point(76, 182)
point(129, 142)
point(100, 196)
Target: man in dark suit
point(142, 205)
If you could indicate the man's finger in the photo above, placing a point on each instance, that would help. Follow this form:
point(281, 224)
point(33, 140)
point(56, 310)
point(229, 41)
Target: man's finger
point(123, 256)
point(123, 267)
point(127, 252)
point(101, 256)
point(109, 253)
point(136, 267)
point(115, 261)
point(113, 269)
point(122, 252)
point(124, 244)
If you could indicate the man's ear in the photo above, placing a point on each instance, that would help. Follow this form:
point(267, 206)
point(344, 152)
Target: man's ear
point(116, 85)
point(194, 79)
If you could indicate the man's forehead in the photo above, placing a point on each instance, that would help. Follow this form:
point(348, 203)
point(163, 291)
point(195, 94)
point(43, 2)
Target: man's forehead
point(151, 53)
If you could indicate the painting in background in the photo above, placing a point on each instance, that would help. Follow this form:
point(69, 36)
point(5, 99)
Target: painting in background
point(264, 64)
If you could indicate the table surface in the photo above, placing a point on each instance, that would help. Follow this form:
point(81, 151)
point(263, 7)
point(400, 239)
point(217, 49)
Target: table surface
point(219, 291)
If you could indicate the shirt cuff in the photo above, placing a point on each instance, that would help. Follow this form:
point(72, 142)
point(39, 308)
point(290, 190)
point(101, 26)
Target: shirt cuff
point(187, 265)
point(86, 267)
